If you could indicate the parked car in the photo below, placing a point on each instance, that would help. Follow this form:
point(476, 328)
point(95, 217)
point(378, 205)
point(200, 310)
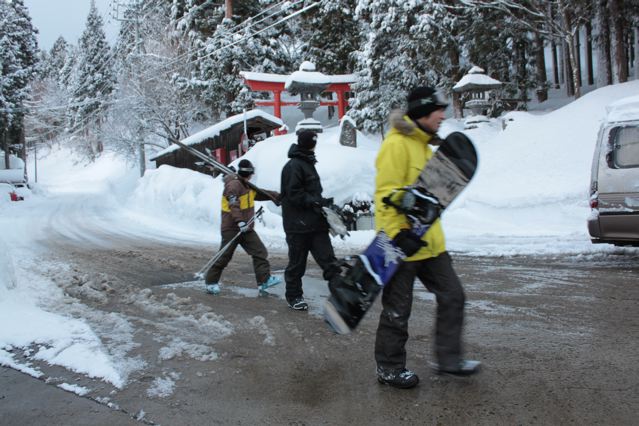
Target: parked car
point(614, 182)
point(8, 192)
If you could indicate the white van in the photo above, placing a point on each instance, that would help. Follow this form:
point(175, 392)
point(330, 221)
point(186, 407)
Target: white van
point(614, 181)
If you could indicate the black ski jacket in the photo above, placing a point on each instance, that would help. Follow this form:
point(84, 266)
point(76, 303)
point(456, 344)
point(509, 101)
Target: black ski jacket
point(301, 193)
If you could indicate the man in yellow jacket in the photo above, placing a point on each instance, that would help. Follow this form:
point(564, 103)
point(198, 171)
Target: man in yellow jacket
point(404, 153)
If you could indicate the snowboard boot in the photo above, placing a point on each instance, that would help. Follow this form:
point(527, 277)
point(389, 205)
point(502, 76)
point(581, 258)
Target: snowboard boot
point(400, 378)
point(465, 367)
point(270, 282)
point(298, 304)
point(213, 288)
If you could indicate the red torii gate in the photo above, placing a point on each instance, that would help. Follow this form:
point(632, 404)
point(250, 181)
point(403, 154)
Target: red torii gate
point(274, 83)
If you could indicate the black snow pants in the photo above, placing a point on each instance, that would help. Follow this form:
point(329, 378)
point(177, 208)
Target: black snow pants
point(252, 245)
point(299, 245)
point(438, 277)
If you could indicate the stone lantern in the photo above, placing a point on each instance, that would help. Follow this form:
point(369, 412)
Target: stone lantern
point(309, 84)
point(477, 84)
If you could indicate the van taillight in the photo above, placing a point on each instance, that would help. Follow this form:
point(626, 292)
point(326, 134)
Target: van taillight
point(594, 203)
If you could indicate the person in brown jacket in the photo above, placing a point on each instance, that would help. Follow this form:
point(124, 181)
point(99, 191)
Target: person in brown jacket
point(238, 207)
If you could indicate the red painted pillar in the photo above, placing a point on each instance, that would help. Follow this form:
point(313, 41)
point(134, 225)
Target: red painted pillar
point(341, 104)
point(277, 109)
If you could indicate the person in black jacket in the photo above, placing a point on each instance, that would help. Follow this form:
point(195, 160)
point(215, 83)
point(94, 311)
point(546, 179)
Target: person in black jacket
point(304, 224)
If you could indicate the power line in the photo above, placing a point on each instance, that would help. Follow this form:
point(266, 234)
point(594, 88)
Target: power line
point(191, 52)
point(197, 51)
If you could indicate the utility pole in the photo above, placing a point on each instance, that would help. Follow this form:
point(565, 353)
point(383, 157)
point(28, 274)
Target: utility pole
point(133, 7)
point(228, 10)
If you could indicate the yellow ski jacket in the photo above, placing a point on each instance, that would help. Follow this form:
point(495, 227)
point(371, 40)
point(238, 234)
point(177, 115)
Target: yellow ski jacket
point(402, 156)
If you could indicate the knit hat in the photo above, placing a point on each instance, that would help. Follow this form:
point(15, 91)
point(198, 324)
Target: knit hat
point(246, 168)
point(307, 139)
point(422, 101)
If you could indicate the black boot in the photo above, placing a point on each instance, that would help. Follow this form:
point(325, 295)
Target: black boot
point(400, 378)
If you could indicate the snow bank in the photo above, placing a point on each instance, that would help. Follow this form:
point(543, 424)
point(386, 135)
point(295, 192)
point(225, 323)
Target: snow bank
point(54, 338)
point(533, 180)
point(531, 185)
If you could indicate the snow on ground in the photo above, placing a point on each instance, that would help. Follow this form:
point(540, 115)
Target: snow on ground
point(530, 196)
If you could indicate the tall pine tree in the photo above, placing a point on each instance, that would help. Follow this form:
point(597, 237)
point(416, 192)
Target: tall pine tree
point(93, 85)
point(332, 36)
point(399, 53)
point(19, 53)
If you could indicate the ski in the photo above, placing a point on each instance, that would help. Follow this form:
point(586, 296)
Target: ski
point(221, 167)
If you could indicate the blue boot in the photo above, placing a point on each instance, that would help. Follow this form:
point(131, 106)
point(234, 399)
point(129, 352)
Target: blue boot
point(270, 282)
point(213, 288)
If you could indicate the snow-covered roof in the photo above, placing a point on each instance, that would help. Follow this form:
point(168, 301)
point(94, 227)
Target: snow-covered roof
point(214, 130)
point(343, 78)
point(12, 175)
point(262, 76)
point(15, 162)
point(476, 80)
point(307, 77)
point(280, 78)
point(625, 109)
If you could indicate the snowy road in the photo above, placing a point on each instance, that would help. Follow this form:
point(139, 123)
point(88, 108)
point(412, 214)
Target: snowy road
point(101, 304)
point(554, 334)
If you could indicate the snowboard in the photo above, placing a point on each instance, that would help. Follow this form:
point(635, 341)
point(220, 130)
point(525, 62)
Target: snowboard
point(362, 277)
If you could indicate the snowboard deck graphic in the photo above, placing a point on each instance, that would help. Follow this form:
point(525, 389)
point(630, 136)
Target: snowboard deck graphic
point(445, 176)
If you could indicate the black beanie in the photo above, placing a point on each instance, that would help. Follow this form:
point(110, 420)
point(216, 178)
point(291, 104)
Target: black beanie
point(307, 139)
point(422, 101)
point(246, 168)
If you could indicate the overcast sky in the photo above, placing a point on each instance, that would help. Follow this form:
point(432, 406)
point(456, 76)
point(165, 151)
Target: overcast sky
point(67, 18)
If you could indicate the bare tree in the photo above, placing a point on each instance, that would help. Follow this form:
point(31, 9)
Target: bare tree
point(540, 66)
point(636, 51)
point(589, 64)
point(570, 15)
point(619, 45)
point(555, 63)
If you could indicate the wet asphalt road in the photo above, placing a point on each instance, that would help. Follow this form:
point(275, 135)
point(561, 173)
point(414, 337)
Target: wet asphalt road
point(558, 338)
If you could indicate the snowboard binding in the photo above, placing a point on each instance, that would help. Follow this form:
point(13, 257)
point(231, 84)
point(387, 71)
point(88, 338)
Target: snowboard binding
point(420, 206)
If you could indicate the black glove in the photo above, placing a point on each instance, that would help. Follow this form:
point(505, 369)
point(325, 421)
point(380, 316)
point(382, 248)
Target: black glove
point(408, 242)
point(327, 202)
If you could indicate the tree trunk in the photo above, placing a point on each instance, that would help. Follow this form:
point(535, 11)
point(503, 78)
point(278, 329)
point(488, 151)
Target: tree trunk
point(555, 64)
point(562, 64)
point(520, 65)
point(621, 59)
point(589, 64)
point(630, 48)
point(604, 64)
point(228, 9)
point(637, 53)
point(577, 62)
point(568, 66)
point(540, 65)
point(571, 38)
point(456, 75)
point(5, 146)
point(23, 141)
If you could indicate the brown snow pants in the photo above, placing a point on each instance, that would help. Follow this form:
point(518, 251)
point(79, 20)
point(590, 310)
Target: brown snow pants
point(252, 245)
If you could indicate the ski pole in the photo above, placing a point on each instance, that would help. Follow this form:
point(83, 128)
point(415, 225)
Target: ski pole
point(202, 272)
